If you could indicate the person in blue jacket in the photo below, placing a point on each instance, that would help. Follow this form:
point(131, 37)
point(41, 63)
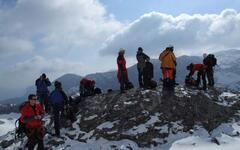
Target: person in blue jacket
point(42, 84)
point(58, 99)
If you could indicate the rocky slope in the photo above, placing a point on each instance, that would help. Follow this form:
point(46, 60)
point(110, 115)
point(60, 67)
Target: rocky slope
point(145, 119)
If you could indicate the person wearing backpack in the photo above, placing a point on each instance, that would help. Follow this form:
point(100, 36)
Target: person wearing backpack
point(122, 74)
point(141, 58)
point(42, 84)
point(200, 68)
point(31, 115)
point(168, 65)
point(210, 61)
point(58, 99)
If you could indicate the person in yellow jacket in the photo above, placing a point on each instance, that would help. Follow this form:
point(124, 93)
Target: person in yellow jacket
point(168, 63)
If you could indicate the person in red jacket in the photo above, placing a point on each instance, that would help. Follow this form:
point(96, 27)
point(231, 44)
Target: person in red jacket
point(200, 68)
point(122, 74)
point(31, 115)
point(86, 87)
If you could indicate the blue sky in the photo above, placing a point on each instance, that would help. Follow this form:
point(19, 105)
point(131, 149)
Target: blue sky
point(83, 36)
point(132, 9)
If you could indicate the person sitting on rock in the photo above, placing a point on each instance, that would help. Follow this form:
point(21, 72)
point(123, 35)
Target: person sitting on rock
point(200, 73)
point(31, 115)
point(87, 87)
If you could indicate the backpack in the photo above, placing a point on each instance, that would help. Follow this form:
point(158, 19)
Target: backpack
point(129, 85)
point(56, 97)
point(212, 59)
point(148, 70)
point(20, 127)
point(97, 91)
point(190, 81)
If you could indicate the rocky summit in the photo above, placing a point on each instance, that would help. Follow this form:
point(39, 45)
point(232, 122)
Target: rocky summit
point(143, 119)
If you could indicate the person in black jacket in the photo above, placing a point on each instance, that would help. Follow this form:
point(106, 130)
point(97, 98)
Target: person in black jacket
point(210, 61)
point(58, 100)
point(141, 58)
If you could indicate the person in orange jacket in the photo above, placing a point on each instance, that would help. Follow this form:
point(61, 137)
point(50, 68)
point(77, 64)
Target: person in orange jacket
point(122, 74)
point(31, 115)
point(168, 63)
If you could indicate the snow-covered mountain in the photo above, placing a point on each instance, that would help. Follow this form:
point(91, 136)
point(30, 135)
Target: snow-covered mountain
point(228, 69)
point(148, 120)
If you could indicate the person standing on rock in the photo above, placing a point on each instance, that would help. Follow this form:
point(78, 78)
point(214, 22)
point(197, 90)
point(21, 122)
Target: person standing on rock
point(142, 58)
point(31, 115)
point(58, 100)
point(168, 65)
point(122, 74)
point(42, 84)
point(210, 61)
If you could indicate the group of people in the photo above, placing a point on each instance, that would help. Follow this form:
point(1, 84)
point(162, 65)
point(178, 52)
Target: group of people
point(168, 66)
point(144, 67)
point(54, 103)
point(33, 110)
point(204, 69)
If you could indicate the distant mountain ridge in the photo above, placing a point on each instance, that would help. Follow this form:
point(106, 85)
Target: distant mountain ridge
point(226, 74)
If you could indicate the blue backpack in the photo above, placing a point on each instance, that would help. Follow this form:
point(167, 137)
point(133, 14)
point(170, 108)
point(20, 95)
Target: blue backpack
point(56, 97)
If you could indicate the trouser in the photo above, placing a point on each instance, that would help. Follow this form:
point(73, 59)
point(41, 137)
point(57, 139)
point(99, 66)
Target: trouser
point(147, 81)
point(168, 78)
point(210, 77)
point(123, 82)
point(201, 74)
point(43, 99)
point(33, 140)
point(56, 116)
point(140, 77)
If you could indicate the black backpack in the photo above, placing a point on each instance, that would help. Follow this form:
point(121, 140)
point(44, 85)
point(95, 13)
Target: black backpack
point(21, 128)
point(212, 59)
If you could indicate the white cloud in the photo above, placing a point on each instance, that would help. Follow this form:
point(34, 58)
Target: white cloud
point(11, 45)
point(59, 25)
point(190, 34)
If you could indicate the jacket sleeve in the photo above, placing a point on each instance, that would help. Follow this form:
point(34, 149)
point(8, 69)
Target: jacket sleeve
point(174, 58)
point(120, 64)
point(162, 55)
point(146, 56)
point(48, 82)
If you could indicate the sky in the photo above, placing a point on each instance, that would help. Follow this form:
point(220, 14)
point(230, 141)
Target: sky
point(83, 36)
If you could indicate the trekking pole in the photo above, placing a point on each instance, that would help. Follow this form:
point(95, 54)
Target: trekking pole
point(15, 133)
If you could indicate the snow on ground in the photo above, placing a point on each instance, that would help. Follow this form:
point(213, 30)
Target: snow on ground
point(143, 127)
point(227, 99)
point(227, 135)
point(91, 117)
point(107, 125)
point(197, 143)
point(7, 122)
